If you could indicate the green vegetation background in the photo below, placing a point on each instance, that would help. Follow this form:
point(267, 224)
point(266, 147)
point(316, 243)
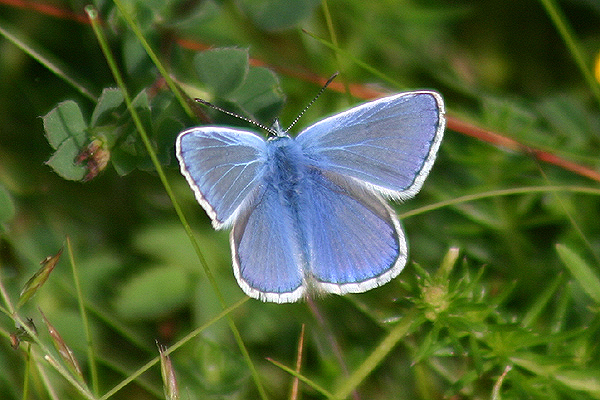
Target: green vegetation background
point(500, 298)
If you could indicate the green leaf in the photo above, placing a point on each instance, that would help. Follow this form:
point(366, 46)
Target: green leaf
point(166, 133)
point(135, 58)
point(7, 207)
point(568, 118)
point(65, 122)
point(259, 95)
point(39, 278)
point(110, 99)
point(535, 310)
point(153, 293)
point(141, 101)
point(123, 161)
point(222, 70)
point(581, 271)
point(585, 381)
point(66, 132)
point(62, 162)
point(274, 15)
point(167, 243)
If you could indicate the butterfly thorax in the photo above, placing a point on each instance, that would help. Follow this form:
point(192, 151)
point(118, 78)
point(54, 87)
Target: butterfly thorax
point(285, 165)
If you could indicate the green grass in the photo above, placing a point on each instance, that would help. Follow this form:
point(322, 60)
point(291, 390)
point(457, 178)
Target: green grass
point(500, 299)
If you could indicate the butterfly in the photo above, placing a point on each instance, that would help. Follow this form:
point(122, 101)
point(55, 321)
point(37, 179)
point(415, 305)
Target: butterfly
point(309, 214)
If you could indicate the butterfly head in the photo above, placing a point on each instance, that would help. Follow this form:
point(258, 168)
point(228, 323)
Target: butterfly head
point(277, 131)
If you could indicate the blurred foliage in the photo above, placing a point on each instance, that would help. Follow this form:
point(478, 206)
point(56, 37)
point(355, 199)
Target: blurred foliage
point(500, 301)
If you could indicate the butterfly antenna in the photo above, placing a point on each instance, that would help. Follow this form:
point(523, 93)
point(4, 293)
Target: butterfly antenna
point(253, 122)
point(313, 100)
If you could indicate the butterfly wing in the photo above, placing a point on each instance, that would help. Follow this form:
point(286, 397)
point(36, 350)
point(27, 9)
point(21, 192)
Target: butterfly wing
point(264, 244)
point(354, 239)
point(222, 166)
point(390, 143)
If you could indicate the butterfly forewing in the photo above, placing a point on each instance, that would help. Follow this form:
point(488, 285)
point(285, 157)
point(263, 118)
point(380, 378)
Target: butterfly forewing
point(222, 166)
point(389, 143)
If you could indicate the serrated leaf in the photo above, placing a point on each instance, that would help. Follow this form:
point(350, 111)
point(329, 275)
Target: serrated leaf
point(222, 70)
point(581, 271)
point(40, 277)
point(153, 293)
point(110, 99)
point(274, 15)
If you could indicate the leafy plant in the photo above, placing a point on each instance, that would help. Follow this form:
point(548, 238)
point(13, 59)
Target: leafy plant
point(500, 299)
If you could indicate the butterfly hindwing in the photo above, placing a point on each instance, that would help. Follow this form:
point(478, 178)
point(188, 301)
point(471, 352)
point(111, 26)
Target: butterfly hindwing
point(389, 143)
point(264, 245)
point(222, 166)
point(354, 239)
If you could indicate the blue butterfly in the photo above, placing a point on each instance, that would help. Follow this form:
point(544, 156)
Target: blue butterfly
point(308, 214)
